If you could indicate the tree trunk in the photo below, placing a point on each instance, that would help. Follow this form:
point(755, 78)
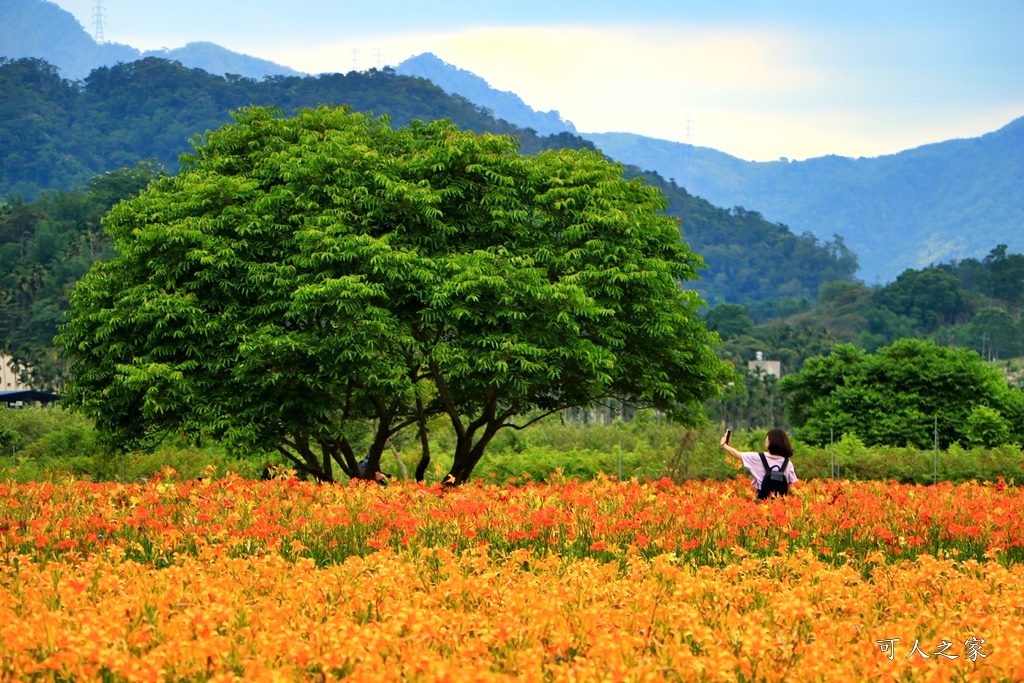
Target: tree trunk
point(468, 454)
point(421, 419)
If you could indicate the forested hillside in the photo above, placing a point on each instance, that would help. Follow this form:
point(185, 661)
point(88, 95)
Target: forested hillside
point(56, 133)
point(750, 260)
point(974, 303)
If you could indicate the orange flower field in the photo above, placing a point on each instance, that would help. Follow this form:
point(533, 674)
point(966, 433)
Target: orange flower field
point(229, 579)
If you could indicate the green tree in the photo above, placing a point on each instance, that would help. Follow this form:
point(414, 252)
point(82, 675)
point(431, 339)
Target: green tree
point(895, 396)
point(302, 276)
point(931, 297)
point(729, 320)
point(993, 333)
point(986, 427)
point(1004, 278)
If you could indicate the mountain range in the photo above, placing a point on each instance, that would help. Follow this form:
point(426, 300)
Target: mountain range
point(928, 205)
point(937, 203)
point(41, 29)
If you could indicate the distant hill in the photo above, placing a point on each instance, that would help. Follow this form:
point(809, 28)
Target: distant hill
point(36, 28)
point(932, 204)
point(43, 30)
point(504, 105)
point(214, 59)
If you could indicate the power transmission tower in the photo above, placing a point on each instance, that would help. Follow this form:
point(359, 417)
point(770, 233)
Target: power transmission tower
point(98, 18)
point(355, 59)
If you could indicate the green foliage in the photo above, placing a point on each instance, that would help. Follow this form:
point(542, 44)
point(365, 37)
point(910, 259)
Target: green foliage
point(910, 465)
point(56, 134)
point(654, 449)
point(50, 443)
point(930, 297)
point(649, 449)
point(950, 304)
point(37, 114)
point(752, 260)
point(986, 427)
point(41, 443)
point(45, 247)
point(993, 333)
point(729, 321)
point(304, 275)
point(896, 396)
point(44, 442)
point(904, 464)
point(1003, 278)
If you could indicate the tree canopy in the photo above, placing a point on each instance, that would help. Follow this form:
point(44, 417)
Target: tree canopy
point(304, 277)
point(895, 397)
point(929, 297)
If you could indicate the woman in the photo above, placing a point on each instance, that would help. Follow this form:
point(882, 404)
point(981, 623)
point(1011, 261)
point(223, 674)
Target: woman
point(779, 451)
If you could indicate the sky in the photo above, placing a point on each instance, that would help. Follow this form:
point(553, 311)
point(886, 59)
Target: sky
point(757, 79)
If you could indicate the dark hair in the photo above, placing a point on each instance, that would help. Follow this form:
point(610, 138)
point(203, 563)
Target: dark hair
point(778, 443)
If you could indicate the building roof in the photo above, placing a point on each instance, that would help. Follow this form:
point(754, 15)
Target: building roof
point(26, 396)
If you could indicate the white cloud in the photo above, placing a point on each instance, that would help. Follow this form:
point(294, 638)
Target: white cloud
point(641, 78)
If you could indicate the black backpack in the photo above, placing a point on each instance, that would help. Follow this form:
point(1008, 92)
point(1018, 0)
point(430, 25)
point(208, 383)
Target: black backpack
point(774, 482)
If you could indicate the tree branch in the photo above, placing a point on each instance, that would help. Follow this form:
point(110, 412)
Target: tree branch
point(446, 398)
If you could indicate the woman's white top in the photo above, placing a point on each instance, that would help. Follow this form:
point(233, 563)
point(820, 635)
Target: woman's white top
point(752, 461)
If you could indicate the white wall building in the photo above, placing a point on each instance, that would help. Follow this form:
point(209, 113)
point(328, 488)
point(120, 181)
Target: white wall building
point(763, 367)
point(9, 376)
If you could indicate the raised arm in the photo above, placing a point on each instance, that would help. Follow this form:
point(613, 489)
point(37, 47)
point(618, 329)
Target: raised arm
point(727, 448)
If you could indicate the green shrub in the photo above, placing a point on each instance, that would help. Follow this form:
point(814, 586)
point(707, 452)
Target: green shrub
point(986, 427)
point(38, 443)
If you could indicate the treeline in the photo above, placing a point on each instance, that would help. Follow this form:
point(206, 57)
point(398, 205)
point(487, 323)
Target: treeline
point(974, 304)
point(45, 247)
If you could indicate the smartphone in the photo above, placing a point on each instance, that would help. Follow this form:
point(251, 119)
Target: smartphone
point(728, 435)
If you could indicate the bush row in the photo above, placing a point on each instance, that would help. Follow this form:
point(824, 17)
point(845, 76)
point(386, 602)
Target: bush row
point(36, 443)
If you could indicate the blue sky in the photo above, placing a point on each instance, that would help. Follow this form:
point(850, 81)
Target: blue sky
point(759, 79)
